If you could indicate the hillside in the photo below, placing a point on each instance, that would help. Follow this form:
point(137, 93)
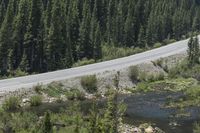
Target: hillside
point(45, 35)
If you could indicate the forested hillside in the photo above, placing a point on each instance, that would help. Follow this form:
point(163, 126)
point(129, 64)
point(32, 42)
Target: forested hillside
point(46, 35)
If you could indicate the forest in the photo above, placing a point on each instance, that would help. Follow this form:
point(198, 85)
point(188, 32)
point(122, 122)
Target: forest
point(46, 35)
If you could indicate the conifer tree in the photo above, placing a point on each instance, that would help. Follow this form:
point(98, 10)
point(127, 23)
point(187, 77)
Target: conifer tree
point(85, 49)
point(196, 21)
point(21, 22)
point(55, 39)
point(5, 37)
point(32, 36)
point(74, 24)
point(142, 38)
point(129, 25)
point(193, 51)
point(47, 125)
point(2, 12)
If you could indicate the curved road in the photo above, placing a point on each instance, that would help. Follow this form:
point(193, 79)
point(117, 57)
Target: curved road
point(45, 78)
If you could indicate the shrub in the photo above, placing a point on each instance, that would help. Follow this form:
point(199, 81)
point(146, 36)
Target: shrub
point(55, 89)
point(36, 100)
point(75, 94)
point(143, 87)
point(133, 73)
point(19, 73)
point(111, 52)
point(157, 45)
point(11, 104)
point(168, 41)
point(38, 89)
point(196, 128)
point(83, 62)
point(142, 76)
point(89, 83)
point(193, 92)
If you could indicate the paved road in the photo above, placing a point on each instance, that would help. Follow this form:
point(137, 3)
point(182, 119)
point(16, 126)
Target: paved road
point(29, 81)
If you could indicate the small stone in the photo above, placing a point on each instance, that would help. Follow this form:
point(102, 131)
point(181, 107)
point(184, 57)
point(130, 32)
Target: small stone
point(149, 130)
point(25, 100)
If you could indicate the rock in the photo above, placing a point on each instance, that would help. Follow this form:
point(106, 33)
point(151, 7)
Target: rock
point(136, 130)
point(25, 100)
point(51, 100)
point(149, 130)
point(90, 96)
point(63, 98)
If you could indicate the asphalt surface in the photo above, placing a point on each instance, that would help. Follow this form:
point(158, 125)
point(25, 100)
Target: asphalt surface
point(9, 85)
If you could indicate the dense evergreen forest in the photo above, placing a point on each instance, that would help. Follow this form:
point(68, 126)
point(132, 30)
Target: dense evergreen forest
point(46, 35)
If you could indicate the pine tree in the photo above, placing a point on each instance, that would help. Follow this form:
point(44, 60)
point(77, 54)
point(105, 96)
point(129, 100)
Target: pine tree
point(119, 24)
point(95, 35)
point(74, 24)
point(21, 22)
point(193, 51)
point(196, 50)
point(129, 26)
point(97, 44)
point(47, 125)
point(2, 12)
point(5, 38)
point(32, 36)
point(142, 38)
point(56, 44)
point(94, 125)
point(196, 21)
point(85, 49)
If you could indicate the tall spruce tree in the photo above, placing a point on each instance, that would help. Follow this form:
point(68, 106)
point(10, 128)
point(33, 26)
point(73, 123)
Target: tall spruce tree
point(193, 51)
point(56, 42)
point(2, 11)
point(33, 37)
point(129, 25)
point(74, 24)
point(6, 38)
point(85, 48)
point(19, 28)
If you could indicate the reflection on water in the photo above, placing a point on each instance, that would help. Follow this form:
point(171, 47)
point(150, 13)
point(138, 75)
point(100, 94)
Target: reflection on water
point(150, 108)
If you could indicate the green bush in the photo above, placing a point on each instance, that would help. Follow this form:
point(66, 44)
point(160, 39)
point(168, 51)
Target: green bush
point(151, 77)
point(143, 76)
point(133, 73)
point(19, 73)
point(111, 52)
point(143, 87)
point(11, 104)
point(75, 94)
point(89, 83)
point(193, 92)
point(159, 76)
point(55, 89)
point(83, 62)
point(36, 100)
point(168, 41)
point(157, 45)
point(196, 128)
point(38, 89)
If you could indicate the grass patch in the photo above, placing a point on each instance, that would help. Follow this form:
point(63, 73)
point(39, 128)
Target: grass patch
point(83, 62)
point(36, 100)
point(173, 85)
point(75, 94)
point(11, 104)
point(111, 52)
point(89, 83)
point(55, 90)
point(133, 73)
